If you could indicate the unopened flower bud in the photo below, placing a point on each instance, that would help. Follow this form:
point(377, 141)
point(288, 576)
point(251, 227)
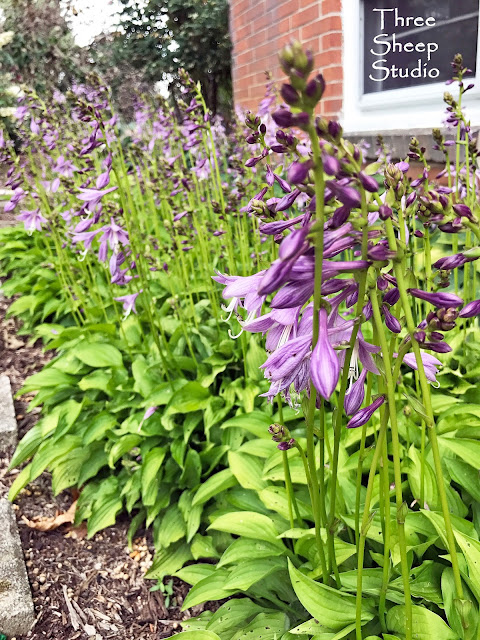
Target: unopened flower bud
point(290, 95)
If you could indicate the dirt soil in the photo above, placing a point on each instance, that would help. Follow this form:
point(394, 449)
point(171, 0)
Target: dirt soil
point(81, 588)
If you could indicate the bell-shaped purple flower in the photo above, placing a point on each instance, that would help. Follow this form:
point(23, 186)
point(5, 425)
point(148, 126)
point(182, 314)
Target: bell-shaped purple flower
point(438, 299)
point(298, 171)
point(470, 310)
point(392, 323)
point(355, 395)
point(364, 415)
point(368, 182)
point(324, 364)
point(392, 296)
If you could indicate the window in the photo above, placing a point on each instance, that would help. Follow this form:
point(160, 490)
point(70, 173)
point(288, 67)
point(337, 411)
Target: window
point(401, 84)
point(413, 42)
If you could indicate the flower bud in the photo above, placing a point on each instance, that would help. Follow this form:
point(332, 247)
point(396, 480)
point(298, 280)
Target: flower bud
point(385, 212)
point(290, 95)
point(368, 182)
point(364, 415)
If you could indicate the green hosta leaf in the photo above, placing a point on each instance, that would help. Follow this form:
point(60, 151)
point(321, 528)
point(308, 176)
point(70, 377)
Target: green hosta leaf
point(463, 474)
point(104, 513)
point(172, 527)
point(248, 572)
point(216, 484)
point(275, 498)
point(233, 616)
point(256, 356)
point(466, 450)
point(168, 561)
point(335, 610)
point(144, 382)
point(50, 377)
point(192, 470)
point(449, 596)
point(27, 446)
point(198, 635)
point(122, 446)
point(20, 482)
point(193, 573)
point(66, 471)
point(265, 626)
point(150, 481)
point(98, 354)
point(97, 458)
point(414, 467)
point(98, 427)
point(96, 380)
point(248, 524)
point(203, 547)
point(245, 548)
point(255, 422)
point(51, 451)
point(191, 397)
point(247, 470)
point(426, 624)
point(210, 588)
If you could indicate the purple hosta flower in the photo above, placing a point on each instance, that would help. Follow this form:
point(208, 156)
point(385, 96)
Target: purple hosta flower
point(93, 197)
point(380, 253)
point(392, 323)
point(148, 414)
point(103, 179)
point(355, 394)
point(32, 220)
point(64, 167)
point(331, 165)
point(18, 194)
point(273, 228)
point(438, 299)
point(411, 198)
point(385, 212)
point(242, 291)
point(285, 446)
point(286, 202)
point(113, 236)
point(51, 186)
point(260, 195)
point(463, 211)
point(324, 365)
point(345, 194)
point(451, 262)
point(430, 364)
point(129, 304)
point(403, 166)
point(298, 171)
point(34, 127)
point(392, 297)
point(202, 169)
point(364, 415)
point(86, 237)
point(368, 182)
point(340, 216)
point(281, 325)
point(470, 310)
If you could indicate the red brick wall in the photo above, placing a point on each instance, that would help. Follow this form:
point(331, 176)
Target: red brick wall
point(259, 29)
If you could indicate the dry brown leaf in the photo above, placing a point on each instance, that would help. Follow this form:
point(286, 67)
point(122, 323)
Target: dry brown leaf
point(77, 533)
point(49, 524)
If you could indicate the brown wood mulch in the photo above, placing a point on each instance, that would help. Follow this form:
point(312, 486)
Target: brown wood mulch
point(81, 588)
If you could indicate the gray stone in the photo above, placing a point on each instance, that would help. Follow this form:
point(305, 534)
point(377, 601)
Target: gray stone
point(16, 605)
point(8, 422)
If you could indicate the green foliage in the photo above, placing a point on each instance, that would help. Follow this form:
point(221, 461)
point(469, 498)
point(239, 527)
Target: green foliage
point(160, 36)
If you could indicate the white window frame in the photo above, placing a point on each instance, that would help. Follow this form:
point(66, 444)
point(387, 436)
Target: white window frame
point(397, 109)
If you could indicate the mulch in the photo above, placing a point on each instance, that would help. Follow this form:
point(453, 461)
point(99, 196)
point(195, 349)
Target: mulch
point(81, 588)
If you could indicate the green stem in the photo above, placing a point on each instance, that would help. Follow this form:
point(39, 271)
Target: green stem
point(390, 382)
point(426, 398)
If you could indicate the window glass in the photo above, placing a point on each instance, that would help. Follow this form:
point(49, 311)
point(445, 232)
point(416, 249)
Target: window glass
point(416, 42)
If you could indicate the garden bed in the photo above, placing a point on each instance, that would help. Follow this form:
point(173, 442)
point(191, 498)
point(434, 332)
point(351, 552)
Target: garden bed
point(103, 578)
